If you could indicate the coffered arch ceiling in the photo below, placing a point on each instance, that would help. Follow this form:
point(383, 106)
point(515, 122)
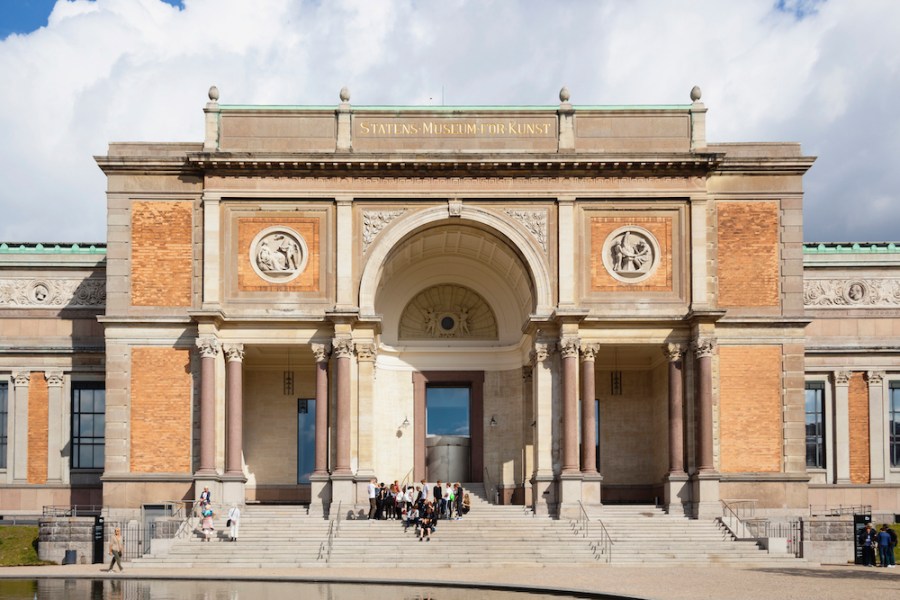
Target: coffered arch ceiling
point(468, 256)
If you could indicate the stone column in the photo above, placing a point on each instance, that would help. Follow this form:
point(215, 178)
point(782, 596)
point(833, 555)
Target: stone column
point(57, 413)
point(234, 408)
point(542, 377)
point(842, 426)
point(365, 357)
point(320, 489)
point(704, 349)
point(17, 442)
point(570, 475)
point(675, 489)
point(343, 350)
point(209, 350)
point(705, 494)
point(877, 430)
point(528, 425)
point(588, 416)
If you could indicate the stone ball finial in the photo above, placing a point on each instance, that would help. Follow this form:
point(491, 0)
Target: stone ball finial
point(695, 93)
point(564, 94)
point(214, 94)
point(345, 94)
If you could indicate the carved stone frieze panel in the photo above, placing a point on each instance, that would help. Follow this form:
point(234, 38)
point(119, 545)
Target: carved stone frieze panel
point(52, 293)
point(851, 293)
point(278, 254)
point(374, 221)
point(448, 311)
point(534, 221)
point(631, 254)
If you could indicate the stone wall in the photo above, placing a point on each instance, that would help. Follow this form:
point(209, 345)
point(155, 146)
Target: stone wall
point(58, 534)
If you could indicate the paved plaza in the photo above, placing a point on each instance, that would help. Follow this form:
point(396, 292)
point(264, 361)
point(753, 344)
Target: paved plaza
point(657, 583)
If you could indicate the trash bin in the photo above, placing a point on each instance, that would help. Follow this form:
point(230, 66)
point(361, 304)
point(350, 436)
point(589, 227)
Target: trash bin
point(70, 558)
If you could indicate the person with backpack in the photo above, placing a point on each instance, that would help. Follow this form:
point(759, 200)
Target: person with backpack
point(885, 548)
point(891, 557)
point(868, 540)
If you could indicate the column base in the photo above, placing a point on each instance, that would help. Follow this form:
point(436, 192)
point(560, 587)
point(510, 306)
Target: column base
point(677, 494)
point(233, 489)
point(212, 481)
point(543, 496)
point(570, 485)
point(320, 495)
point(705, 495)
point(343, 498)
point(591, 489)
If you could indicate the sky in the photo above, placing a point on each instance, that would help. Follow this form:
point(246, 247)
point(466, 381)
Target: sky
point(76, 75)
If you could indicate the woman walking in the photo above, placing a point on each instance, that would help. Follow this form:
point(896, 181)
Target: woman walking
point(115, 550)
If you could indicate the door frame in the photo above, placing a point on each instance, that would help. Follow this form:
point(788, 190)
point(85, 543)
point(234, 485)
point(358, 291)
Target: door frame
point(475, 381)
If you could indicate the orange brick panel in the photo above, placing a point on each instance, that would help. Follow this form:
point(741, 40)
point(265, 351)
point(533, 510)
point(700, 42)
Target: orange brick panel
point(38, 415)
point(161, 253)
point(748, 253)
point(660, 281)
point(750, 411)
point(248, 280)
point(160, 410)
point(859, 428)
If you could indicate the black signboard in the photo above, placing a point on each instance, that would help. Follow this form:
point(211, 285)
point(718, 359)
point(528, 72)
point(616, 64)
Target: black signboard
point(859, 523)
point(98, 540)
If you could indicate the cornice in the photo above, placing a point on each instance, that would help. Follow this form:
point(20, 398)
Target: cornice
point(795, 165)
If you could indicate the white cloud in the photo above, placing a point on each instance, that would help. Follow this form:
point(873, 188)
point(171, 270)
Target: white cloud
point(115, 70)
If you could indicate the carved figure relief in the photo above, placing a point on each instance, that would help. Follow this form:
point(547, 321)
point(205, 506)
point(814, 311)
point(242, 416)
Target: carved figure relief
point(278, 254)
point(448, 312)
point(28, 293)
point(535, 222)
point(374, 221)
point(851, 293)
point(631, 254)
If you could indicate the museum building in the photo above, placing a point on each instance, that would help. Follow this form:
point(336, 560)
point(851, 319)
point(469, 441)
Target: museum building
point(573, 305)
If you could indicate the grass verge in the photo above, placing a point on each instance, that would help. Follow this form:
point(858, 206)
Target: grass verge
point(18, 546)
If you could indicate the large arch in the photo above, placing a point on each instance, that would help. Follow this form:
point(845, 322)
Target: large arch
point(535, 259)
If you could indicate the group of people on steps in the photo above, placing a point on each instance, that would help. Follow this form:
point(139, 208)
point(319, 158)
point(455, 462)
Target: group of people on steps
point(420, 506)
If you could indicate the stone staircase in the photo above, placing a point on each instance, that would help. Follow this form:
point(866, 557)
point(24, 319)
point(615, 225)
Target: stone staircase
point(490, 535)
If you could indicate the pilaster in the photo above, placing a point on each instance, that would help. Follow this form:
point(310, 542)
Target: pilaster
point(18, 427)
point(877, 427)
point(366, 352)
point(542, 376)
point(56, 414)
point(842, 426)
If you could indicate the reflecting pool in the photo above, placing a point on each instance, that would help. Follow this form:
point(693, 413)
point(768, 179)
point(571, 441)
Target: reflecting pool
point(162, 589)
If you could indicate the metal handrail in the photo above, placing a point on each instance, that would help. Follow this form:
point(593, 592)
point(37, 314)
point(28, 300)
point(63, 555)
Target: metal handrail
point(334, 527)
point(735, 522)
point(602, 547)
point(72, 510)
point(840, 509)
point(492, 494)
point(406, 479)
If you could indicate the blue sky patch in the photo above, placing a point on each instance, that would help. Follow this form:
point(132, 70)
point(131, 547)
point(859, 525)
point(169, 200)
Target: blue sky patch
point(25, 16)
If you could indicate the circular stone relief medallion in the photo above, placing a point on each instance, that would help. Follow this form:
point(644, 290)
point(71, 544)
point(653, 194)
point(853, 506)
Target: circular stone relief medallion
point(278, 254)
point(856, 292)
point(39, 293)
point(631, 254)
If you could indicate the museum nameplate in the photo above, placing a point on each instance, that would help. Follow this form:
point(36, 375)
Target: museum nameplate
point(430, 133)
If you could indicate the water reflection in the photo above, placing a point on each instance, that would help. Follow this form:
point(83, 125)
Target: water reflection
point(158, 589)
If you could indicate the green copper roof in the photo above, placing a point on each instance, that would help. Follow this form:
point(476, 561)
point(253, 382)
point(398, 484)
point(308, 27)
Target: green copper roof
point(852, 248)
point(404, 108)
point(51, 248)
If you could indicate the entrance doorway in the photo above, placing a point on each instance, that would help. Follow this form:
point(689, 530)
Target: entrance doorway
point(306, 439)
point(447, 432)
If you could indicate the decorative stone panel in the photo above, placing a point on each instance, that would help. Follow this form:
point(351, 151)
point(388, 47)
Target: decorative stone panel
point(631, 254)
point(278, 254)
point(851, 293)
point(448, 312)
point(534, 221)
point(374, 221)
point(53, 293)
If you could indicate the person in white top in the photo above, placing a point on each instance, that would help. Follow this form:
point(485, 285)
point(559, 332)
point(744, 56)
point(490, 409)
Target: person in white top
point(372, 489)
point(234, 521)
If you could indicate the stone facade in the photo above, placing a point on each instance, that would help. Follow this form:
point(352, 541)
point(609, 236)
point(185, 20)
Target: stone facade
point(631, 311)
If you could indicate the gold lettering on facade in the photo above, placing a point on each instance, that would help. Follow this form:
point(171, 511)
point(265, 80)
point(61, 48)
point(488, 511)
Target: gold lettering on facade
point(440, 128)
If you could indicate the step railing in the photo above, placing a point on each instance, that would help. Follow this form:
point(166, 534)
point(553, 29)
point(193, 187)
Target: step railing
point(602, 545)
point(490, 490)
point(334, 527)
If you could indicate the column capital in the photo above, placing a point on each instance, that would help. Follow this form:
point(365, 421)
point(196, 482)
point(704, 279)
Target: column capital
point(842, 377)
point(673, 352)
point(366, 351)
point(541, 352)
point(233, 352)
point(568, 347)
point(208, 346)
point(54, 378)
point(321, 351)
point(21, 378)
point(704, 347)
point(343, 347)
point(874, 377)
point(589, 352)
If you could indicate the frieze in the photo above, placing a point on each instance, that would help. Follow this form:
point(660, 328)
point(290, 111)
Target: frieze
point(52, 293)
point(535, 221)
point(374, 221)
point(851, 293)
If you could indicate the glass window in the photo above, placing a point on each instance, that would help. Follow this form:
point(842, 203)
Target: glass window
point(4, 419)
point(815, 425)
point(894, 419)
point(306, 439)
point(447, 410)
point(88, 425)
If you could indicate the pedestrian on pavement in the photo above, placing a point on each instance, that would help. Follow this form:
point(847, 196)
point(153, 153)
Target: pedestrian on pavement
point(234, 522)
point(884, 547)
point(115, 550)
point(372, 491)
point(868, 541)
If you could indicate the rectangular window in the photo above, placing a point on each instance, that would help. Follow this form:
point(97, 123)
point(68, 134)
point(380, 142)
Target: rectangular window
point(894, 423)
point(4, 420)
point(815, 425)
point(88, 424)
point(447, 410)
